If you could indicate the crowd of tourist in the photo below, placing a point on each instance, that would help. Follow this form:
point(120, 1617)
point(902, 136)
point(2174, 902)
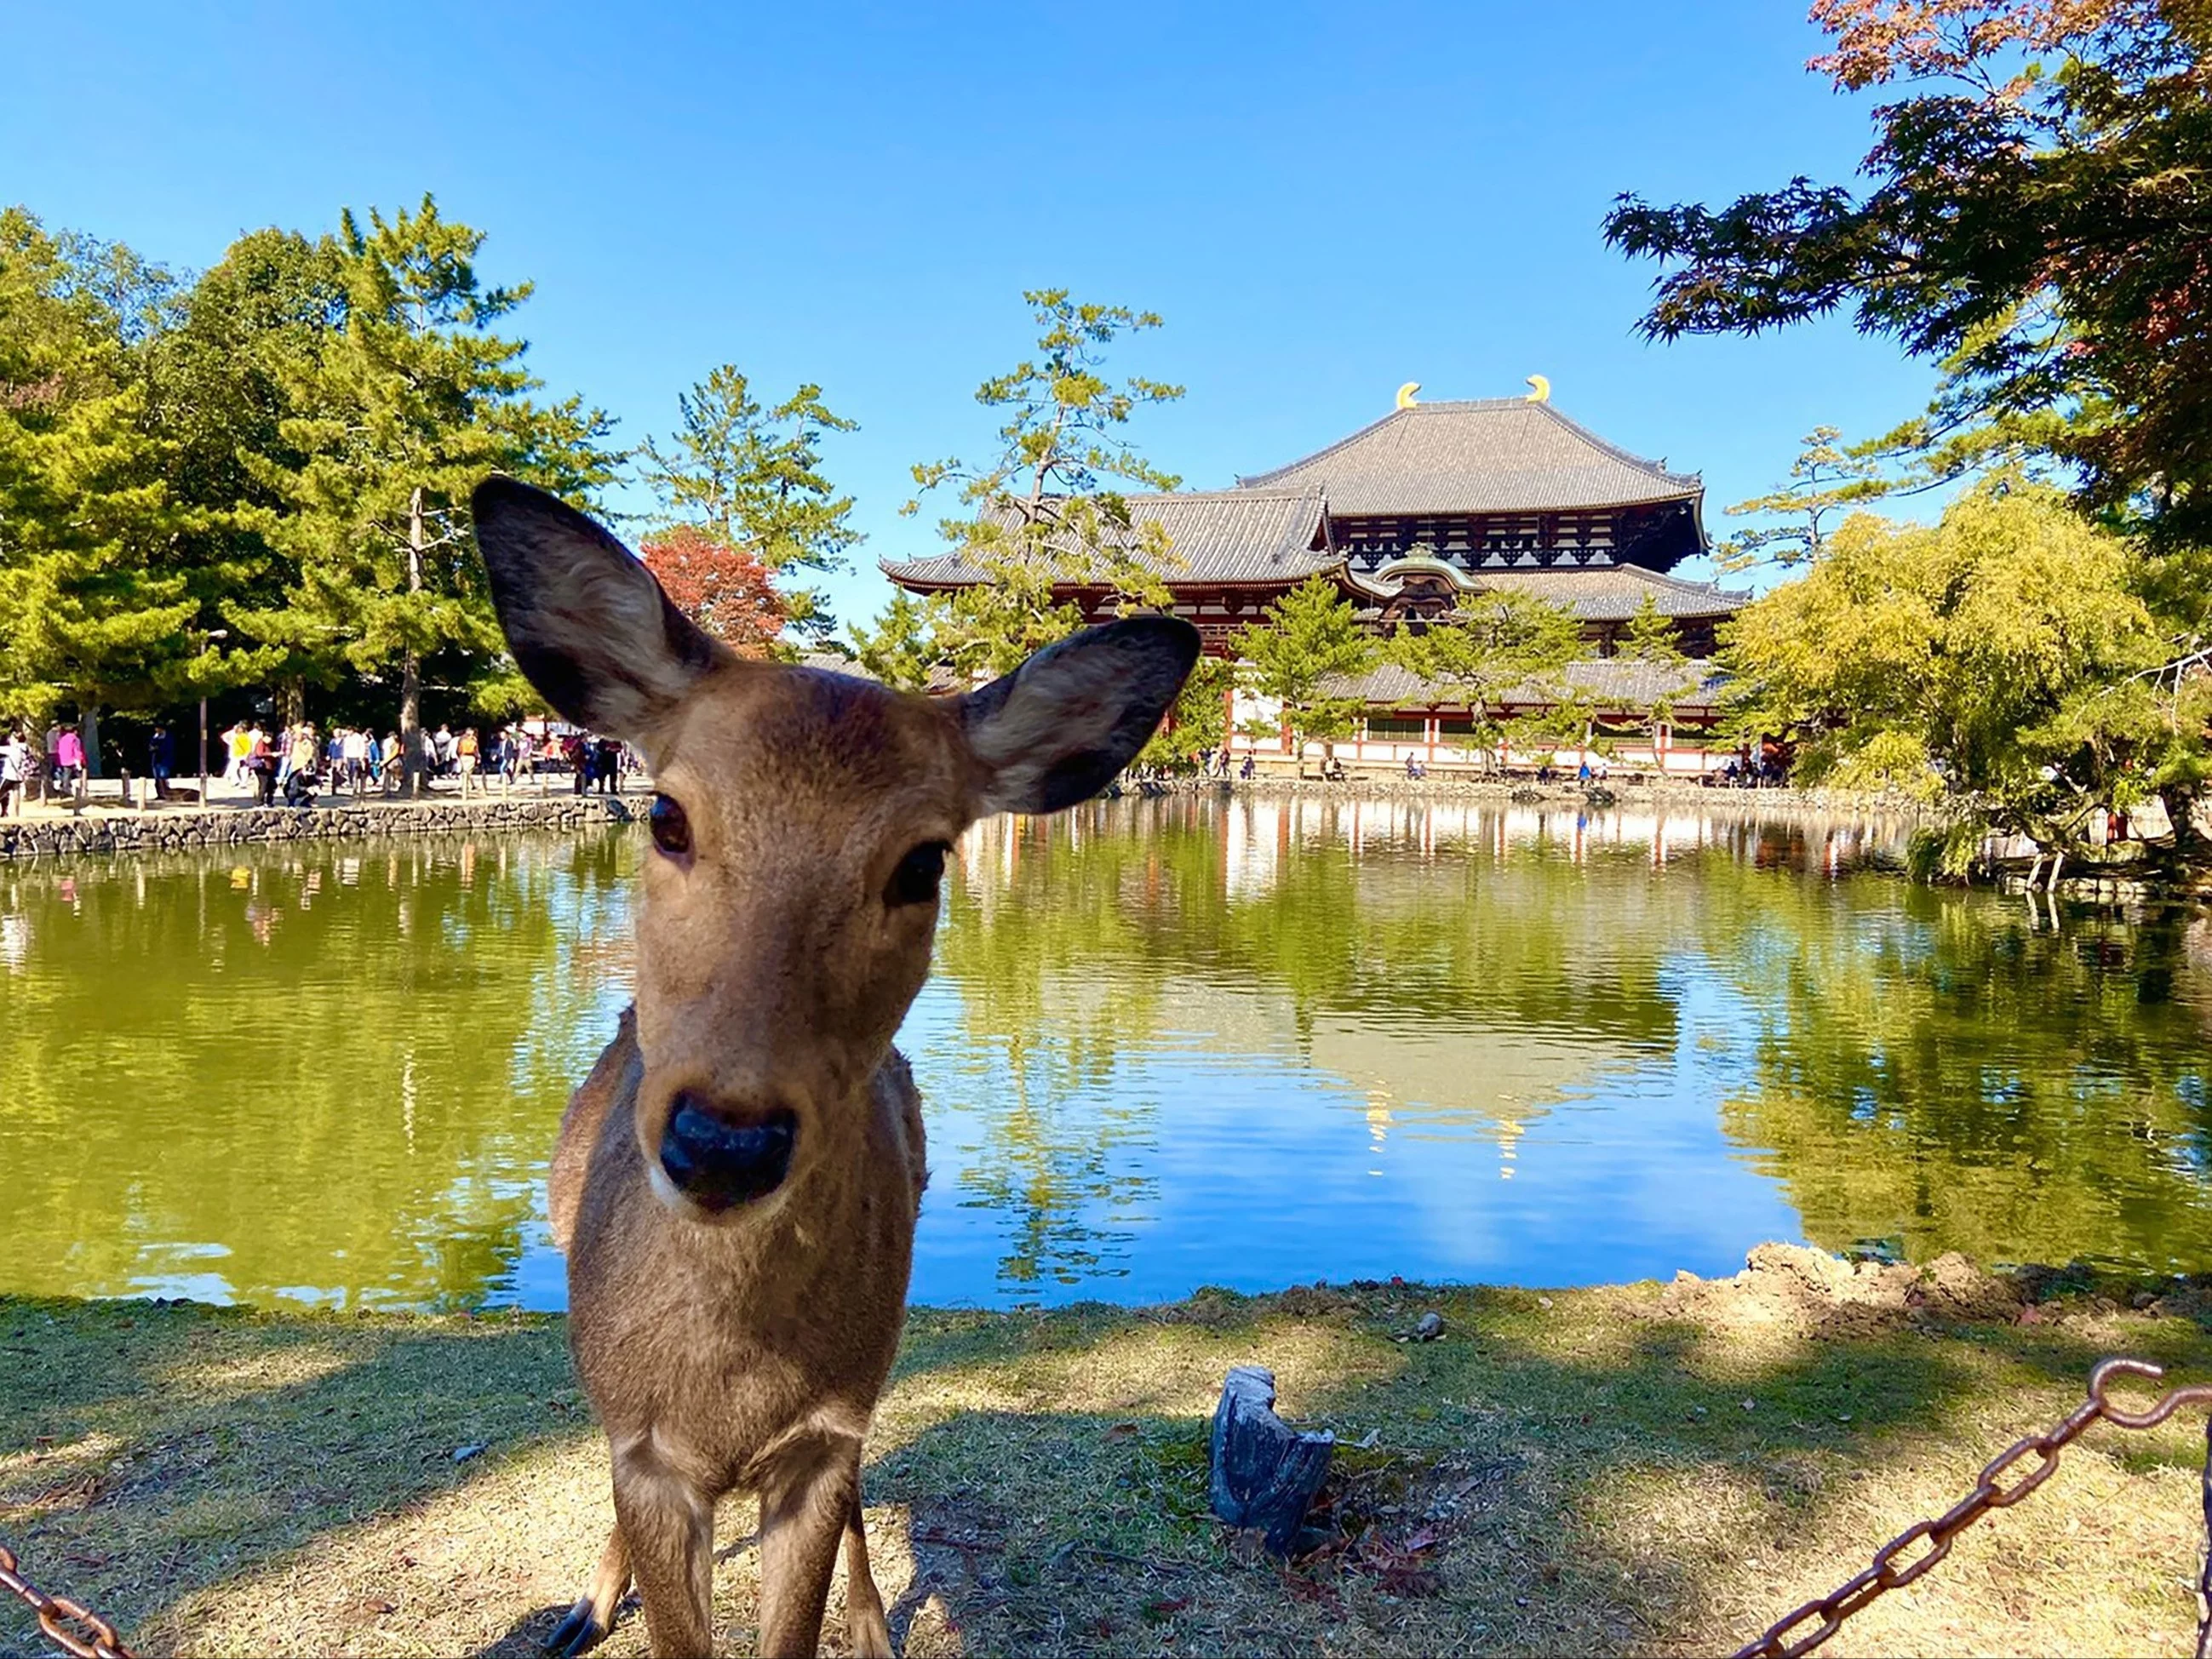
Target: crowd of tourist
point(296, 764)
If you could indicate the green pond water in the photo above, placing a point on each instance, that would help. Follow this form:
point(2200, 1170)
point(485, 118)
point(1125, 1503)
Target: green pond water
point(1168, 1044)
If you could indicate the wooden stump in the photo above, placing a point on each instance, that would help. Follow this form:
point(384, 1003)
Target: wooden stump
point(1265, 1473)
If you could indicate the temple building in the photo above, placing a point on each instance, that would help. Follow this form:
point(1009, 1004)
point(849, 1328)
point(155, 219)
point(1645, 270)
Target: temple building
point(1435, 501)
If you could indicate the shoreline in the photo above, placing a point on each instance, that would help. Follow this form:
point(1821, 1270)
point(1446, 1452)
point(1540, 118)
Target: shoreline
point(1647, 1467)
point(102, 830)
point(175, 829)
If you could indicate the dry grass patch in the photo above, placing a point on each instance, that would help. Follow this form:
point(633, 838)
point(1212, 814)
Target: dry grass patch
point(1638, 1468)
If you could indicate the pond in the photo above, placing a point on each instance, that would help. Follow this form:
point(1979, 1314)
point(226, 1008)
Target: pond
point(1169, 1043)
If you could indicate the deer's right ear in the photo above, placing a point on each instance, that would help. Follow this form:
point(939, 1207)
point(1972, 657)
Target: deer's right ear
point(588, 625)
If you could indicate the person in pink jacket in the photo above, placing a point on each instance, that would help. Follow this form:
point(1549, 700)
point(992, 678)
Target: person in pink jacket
point(69, 759)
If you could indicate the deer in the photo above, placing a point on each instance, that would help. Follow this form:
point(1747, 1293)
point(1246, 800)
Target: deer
point(737, 1182)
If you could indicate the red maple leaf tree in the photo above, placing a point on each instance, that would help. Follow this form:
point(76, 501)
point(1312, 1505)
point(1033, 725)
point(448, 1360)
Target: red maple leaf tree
point(723, 588)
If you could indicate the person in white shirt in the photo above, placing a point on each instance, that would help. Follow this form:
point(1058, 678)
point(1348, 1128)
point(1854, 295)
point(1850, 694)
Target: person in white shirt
point(14, 768)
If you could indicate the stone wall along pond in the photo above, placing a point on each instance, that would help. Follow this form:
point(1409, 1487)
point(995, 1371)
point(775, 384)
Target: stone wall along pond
point(181, 831)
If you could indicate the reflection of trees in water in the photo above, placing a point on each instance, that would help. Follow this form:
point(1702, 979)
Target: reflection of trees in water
point(1919, 1066)
point(1078, 943)
point(320, 1070)
point(1930, 1070)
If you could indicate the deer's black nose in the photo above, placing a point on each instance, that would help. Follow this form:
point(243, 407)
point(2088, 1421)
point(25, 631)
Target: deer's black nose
point(717, 1160)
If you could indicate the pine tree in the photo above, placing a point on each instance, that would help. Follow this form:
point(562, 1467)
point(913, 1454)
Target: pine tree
point(1826, 481)
point(1499, 644)
point(409, 404)
point(1300, 656)
point(751, 477)
point(1650, 636)
point(94, 606)
point(1044, 511)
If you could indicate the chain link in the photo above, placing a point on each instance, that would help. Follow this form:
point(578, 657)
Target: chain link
point(1788, 1637)
point(69, 1624)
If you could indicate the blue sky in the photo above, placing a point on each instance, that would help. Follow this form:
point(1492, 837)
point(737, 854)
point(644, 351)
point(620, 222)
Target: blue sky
point(1322, 201)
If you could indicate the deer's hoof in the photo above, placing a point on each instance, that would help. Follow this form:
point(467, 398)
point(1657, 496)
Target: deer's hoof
point(580, 1633)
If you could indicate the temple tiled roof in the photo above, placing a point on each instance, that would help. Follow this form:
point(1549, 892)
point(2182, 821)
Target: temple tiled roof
point(1616, 593)
point(1219, 536)
point(1610, 682)
point(1486, 455)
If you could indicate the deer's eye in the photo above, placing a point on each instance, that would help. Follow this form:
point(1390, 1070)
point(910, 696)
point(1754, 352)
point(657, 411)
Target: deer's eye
point(915, 881)
point(671, 830)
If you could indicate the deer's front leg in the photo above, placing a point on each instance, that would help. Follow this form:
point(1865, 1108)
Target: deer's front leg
point(806, 1505)
point(593, 1615)
point(668, 1522)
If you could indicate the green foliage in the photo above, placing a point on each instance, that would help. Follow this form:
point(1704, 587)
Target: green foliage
point(2034, 216)
point(221, 399)
point(1650, 636)
point(2003, 657)
point(752, 474)
point(1299, 656)
point(94, 601)
point(1825, 480)
point(1044, 511)
point(1498, 644)
point(402, 409)
point(902, 648)
point(1198, 723)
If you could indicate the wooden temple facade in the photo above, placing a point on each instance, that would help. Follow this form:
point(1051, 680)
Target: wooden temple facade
point(1433, 503)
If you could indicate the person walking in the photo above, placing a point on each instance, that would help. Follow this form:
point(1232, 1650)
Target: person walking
point(465, 758)
point(305, 750)
point(237, 746)
point(355, 750)
point(69, 760)
point(161, 760)
point(14, 771)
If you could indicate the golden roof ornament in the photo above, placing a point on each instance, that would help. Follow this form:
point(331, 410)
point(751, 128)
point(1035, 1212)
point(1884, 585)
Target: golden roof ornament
point(1542, 392)
point(1406, 394)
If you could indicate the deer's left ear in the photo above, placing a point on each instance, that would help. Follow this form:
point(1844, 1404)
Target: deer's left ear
point(588, 625)
point(1057, 729)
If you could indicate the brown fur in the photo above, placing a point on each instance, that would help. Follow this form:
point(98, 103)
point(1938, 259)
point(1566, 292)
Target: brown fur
point(746, 1351)
point(745, 1347)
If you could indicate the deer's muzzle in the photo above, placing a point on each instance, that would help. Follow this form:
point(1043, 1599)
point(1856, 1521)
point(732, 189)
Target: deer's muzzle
point(717, 1161)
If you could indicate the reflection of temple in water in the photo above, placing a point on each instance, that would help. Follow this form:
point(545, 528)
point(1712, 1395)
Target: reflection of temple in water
point(1259, 833)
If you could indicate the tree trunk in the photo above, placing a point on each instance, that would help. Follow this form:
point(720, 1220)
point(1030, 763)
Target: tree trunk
point(2190, 846)
point(88, 728)
point(410, 666)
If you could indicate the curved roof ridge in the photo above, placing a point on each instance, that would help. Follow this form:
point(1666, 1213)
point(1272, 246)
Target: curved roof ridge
point(1232, 492)
point(1478, 455)
point(1667, 579)
point(1258, 479)
point(1626, 456)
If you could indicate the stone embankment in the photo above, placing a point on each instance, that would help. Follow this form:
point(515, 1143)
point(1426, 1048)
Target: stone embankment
point(183, 831)
point(1625, 791)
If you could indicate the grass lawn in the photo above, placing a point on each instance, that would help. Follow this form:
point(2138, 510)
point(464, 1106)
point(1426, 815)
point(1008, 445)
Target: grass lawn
point(1646, 1468)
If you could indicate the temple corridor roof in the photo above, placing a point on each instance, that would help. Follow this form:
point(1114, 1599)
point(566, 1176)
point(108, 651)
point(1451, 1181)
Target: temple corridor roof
point(1607, 593)
point(1267, 536)
point(1610, 682)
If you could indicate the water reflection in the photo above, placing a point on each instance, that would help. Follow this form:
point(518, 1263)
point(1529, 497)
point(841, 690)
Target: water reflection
point(1169, 1043)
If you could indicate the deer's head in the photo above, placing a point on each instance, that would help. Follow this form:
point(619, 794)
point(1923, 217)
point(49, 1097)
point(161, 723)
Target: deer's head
point(801, 826)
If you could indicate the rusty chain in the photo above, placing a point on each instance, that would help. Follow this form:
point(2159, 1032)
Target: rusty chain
point(75, 1628)
point(1782, 1640)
